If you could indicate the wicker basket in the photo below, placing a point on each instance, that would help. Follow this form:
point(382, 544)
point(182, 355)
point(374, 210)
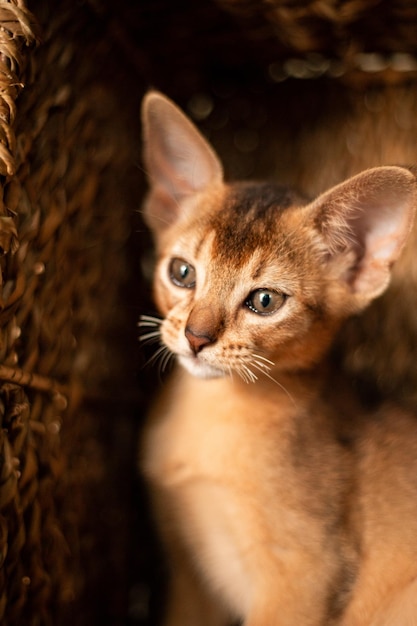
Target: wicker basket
point(67, 323)
point(75, 543)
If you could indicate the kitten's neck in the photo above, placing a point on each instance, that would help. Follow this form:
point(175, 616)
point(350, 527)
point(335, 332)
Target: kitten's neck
point(296, 386)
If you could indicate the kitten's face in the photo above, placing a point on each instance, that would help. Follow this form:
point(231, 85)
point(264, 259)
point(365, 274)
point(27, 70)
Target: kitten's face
point(248, 278)
point(245, 287)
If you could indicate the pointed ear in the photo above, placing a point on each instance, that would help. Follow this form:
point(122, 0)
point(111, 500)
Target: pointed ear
point(178, 160)
point(365, 222)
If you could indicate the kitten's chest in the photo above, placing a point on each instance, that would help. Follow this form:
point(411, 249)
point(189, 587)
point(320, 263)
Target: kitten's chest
point(209, 431)
point(220, 467)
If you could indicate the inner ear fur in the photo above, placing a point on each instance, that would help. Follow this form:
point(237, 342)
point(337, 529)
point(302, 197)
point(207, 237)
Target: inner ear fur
point(367, 220)
point(178, 160)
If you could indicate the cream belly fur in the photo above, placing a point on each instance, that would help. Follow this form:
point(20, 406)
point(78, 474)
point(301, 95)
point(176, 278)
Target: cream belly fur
point(242, 536)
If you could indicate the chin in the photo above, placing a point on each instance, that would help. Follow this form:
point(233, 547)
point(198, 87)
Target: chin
point(199, 369)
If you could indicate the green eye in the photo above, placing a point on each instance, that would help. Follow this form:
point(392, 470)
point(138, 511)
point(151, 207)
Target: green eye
point(182, 273)
point(265, 301)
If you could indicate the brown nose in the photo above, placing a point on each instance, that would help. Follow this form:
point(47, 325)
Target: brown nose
point(197, 340)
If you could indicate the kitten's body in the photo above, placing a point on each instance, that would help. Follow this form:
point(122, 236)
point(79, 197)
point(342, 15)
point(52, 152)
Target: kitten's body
point(288, 514)
point(280, 500)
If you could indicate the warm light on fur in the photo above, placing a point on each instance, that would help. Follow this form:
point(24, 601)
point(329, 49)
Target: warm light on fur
point(273, 489)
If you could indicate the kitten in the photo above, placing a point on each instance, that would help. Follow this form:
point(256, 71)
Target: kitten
point(280, 500)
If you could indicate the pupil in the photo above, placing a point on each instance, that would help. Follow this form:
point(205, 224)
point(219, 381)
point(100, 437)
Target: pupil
point(184, 271)
point(265, 299)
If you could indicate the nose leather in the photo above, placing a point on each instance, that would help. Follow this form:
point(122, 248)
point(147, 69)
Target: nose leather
point(203, 327)
point(197, 341)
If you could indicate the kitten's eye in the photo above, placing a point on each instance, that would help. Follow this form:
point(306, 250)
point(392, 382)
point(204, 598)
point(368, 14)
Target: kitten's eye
point(265, 301)
point(182, 273)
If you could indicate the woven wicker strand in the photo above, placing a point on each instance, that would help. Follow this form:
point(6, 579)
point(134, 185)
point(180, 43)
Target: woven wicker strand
point(35, 381)
point(19, 466)
point(16, 31)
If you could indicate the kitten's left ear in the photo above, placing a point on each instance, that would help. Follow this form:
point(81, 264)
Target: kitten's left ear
point(365, 222)
point(178, 160)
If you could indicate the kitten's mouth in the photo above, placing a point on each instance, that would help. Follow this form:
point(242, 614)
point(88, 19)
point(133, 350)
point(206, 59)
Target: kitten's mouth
point(195, 366)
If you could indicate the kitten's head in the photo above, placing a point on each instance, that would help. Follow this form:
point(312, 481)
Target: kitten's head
point(250, 276)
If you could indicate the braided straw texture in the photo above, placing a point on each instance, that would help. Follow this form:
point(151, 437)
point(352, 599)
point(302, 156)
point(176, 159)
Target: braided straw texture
point(18, 460)
point(65, 375)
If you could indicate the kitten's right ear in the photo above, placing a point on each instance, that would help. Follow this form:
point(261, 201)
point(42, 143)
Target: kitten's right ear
point(365, 222)
point(177, 158)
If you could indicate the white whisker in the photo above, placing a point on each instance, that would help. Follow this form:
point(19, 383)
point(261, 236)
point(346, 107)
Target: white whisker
point(243, 376)
point(259, 356)
point(246, 373)
point(149, 337)
point(161, 357)
point(263, 365)
point(252, 375)
point(161, 350)
point(163, 354)
point(149, 320)
point(165, 359)
point(145, 324)
point(241, 372)
point(265, 373)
